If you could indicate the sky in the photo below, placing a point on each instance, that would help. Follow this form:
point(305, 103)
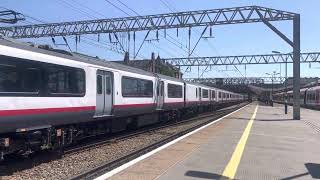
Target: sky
point(239, 39)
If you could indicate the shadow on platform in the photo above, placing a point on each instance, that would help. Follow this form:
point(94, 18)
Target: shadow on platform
point(271, 120)
point(205, 175)
point(313, 171)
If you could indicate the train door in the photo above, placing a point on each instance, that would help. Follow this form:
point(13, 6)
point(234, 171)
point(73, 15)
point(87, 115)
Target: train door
point(200, 94)
point(160, 95)
point(104, 93)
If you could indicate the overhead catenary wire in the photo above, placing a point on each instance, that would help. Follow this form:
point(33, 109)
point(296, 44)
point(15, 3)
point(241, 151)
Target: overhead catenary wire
point(136, 13)
point(88, 8)
point(85, 40)
point(120, 38)
point(73, 7)
point(173, 9)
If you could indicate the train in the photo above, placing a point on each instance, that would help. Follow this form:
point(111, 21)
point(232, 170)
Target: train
point(51, 98)
point(309, 97)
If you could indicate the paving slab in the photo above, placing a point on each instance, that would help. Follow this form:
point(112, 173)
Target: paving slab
point(277, 148)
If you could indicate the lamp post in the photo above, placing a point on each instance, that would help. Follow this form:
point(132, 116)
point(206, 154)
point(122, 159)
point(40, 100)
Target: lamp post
point(273, 75)
point(285, 84)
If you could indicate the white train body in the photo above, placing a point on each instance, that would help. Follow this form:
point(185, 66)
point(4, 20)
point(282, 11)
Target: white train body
point(43, 92)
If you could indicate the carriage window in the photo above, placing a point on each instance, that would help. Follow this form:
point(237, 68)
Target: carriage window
point(162, 88)
point(196, 92)
point(65, 80)
point(213, 94)
point(174, 91)
point(133, 87)
point(108, 84)
point(205, 93)
point(21, 77)
point(18, 77)
point(219, 94)
point(99, 84)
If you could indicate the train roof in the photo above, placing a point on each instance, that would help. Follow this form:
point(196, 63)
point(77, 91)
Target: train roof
point(72, 56)
point(89, 59)
point(169, 78)
point(314, 88)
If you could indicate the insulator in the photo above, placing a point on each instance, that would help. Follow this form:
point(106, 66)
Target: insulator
point(110, 39)
point(53, 40)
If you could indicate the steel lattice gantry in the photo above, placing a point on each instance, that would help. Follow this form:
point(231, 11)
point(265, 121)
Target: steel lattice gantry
point(236, 15)
point(237, 80)
point(10, 17)
point(251, 80)
point(243, 60)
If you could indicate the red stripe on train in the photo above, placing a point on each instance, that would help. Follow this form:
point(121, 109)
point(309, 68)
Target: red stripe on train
point(133, 105)
point(142, 105)
point(44, 111)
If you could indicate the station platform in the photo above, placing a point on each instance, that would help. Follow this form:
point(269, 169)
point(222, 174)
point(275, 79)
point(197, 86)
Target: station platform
point(256, 142)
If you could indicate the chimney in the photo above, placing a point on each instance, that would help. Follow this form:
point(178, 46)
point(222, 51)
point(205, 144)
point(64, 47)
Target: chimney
point(153, 62)
point(126, 58)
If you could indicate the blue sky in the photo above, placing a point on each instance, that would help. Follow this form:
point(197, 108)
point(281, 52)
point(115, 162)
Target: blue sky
point(228, 40)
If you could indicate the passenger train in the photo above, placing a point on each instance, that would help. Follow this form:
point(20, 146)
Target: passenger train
point(52, 98)
point(309, 97)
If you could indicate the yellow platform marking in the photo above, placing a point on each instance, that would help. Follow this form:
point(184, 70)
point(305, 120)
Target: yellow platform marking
point(231, 168)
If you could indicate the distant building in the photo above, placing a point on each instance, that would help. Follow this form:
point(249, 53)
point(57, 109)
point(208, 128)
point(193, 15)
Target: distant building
point(303, 81)
point(155, 65)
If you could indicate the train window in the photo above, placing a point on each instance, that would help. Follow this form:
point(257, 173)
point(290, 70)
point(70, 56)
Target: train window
point(162, 88)
point(219, 94)
point(108, 84)
point(64, 80)
point(213, 94)
point(196, 92)
point(133, 87)
point(19, 77)
point(205, 93)
point(99, 84)
point(174, 91)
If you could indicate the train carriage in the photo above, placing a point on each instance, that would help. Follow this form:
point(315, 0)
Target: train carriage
point(312, 97)
point(50, 98)
point(192, 95)
point(173, 92)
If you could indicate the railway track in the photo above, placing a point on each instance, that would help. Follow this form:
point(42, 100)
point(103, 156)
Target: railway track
point(105, 167)
point(133, 133)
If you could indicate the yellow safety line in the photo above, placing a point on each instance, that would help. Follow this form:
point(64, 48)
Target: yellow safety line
point(231, 168)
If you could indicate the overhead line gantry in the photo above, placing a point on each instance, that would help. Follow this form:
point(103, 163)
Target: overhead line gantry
point(188, 19)
point(311, 57)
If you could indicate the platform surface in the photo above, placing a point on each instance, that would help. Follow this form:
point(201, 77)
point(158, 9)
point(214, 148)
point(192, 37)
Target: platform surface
point(244, 145)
